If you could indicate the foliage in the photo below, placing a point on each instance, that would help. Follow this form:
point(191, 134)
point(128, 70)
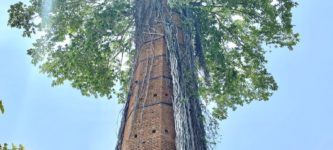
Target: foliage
point(2, 109)
point(86, 43)
point(5, 145)
point(14, 147)
point(98, 38)
point(234, 32)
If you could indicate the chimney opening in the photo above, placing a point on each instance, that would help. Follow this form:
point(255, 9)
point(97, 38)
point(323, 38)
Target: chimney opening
point(166, 131)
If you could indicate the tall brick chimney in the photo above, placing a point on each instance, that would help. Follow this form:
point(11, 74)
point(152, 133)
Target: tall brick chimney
point(149, 122)
point(150, 125)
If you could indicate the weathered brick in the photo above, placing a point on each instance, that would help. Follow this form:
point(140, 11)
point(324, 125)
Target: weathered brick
point(150, 125)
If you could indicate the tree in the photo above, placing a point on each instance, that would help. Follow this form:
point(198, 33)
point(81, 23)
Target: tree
point(94, 44)
point(14, 147)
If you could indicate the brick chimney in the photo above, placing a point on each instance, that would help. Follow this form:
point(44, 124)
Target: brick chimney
point(150, 125)
point(150, 121)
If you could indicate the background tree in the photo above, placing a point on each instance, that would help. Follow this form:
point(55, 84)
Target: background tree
point(90, 44)
point(14, 147)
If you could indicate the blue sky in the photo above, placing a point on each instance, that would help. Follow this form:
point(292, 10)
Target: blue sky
point(298, 116)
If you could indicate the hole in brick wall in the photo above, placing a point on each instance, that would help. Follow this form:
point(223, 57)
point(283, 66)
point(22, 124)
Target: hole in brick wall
point(154, 131)
point(135, 136)
point(136, 81)
point(141, 99)
point(166, 131)
point(155, 95)
point(166, 94)
point(143, 142)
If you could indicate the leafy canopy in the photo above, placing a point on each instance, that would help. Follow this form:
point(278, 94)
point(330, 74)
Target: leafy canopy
point(89, 43)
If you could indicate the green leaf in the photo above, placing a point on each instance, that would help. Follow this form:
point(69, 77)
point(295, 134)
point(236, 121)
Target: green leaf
point(2, 109)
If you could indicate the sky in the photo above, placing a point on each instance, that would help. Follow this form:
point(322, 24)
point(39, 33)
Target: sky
point(297, 117)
